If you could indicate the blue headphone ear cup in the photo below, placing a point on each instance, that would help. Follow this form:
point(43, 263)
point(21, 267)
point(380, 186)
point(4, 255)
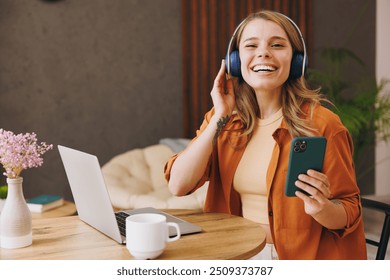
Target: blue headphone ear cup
point(296, 66)
point(235, 63)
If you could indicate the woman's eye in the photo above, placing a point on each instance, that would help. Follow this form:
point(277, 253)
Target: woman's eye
point(277, 45)
point(250, 46)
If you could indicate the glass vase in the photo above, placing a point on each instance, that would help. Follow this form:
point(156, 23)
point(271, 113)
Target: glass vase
point(15, 219)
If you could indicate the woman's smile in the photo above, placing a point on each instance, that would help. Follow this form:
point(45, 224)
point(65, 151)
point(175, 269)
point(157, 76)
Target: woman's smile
point(264, 68)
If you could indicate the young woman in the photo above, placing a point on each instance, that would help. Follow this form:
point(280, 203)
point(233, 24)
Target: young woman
point(242, 149)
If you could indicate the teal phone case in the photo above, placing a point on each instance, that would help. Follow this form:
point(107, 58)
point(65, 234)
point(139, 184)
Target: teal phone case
point(305, 153)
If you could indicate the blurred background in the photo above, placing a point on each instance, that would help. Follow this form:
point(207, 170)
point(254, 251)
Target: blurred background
point(107, 76)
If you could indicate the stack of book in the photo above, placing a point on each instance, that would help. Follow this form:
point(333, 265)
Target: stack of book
point(44, 202)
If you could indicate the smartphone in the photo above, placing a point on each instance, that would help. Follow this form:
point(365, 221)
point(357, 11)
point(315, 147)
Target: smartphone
point(305, 153)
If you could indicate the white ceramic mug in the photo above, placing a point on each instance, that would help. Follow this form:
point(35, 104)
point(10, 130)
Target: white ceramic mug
point(147, 234)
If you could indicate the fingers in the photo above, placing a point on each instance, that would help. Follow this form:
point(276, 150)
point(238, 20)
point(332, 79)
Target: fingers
point(218, 82)
point(304, 197)
point(318, 175)
point(229, 87)
point(222, 93)
point(222, 77)
point(315, 184)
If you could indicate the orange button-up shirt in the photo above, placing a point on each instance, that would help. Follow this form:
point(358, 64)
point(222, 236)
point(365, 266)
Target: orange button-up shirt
point(296, 235)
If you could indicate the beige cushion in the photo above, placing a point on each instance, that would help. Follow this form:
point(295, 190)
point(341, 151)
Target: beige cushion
point(135, 179)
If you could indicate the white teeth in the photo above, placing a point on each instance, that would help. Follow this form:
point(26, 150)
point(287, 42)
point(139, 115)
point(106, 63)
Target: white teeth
point(258, 68)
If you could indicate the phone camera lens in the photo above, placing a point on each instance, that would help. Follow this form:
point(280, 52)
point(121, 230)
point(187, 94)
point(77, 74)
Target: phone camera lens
point(300, 146)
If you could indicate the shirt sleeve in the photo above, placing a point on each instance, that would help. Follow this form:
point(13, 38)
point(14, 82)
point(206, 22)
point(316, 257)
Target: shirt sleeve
point(340, 169)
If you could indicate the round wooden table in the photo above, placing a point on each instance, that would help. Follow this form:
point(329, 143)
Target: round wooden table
point(224, 236)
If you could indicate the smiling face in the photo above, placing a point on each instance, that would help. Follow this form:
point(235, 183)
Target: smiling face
point(265, 54)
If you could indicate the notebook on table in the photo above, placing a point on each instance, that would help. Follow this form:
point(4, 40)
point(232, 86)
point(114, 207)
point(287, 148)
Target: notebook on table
point(93, 202)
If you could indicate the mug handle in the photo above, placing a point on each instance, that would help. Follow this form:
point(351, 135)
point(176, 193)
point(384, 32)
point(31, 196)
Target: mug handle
point(176, 226)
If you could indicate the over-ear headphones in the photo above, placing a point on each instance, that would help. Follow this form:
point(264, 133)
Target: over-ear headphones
point(298, 63)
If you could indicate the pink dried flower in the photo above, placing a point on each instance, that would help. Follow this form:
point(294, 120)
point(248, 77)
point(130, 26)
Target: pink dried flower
point(19, 152)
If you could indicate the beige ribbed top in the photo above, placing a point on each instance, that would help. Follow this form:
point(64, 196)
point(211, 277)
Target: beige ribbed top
point(250, 177)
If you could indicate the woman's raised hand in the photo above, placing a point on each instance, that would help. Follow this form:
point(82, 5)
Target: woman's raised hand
point(222, 94)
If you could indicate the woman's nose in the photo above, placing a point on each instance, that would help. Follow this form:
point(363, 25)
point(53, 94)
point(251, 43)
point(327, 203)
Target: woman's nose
point(263, 51)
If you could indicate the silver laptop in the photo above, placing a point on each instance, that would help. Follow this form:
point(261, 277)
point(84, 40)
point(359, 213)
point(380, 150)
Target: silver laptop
point(93, 202)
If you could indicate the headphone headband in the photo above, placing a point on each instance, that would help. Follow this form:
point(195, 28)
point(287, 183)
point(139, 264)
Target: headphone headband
point(235, 56)
point(303, 43)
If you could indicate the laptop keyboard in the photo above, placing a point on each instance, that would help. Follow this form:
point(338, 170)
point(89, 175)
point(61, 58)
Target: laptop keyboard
point(121, 220)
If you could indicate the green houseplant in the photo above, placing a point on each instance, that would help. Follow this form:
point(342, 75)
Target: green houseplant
point(362, 105)
point(3, 191)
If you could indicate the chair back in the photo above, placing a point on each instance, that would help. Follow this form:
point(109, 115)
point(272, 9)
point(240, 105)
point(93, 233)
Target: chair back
point(380, 204)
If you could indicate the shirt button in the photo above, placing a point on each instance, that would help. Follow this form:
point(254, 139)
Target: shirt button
point(270, 213)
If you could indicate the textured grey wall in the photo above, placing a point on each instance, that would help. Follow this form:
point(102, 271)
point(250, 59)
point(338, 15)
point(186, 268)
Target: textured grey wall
point(97, 75)
point(349, 24)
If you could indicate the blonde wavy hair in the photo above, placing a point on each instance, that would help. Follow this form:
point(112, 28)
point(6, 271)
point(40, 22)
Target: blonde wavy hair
point(296, 92)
